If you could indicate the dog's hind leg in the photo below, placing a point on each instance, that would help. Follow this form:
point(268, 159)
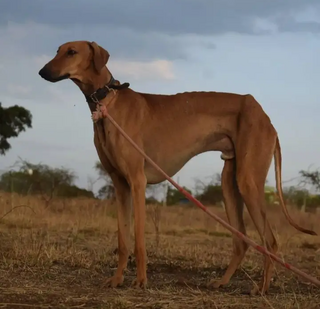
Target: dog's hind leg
point(234, 209)
point(254, 151)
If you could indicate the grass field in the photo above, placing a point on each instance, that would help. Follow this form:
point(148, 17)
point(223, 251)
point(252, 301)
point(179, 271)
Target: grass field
point(59, 257)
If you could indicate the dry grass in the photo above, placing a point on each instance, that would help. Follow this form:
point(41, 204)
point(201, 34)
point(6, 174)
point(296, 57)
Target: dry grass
point(59, 257)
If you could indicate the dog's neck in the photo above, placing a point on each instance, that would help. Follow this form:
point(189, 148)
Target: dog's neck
point(94, 81)
point(96, 87)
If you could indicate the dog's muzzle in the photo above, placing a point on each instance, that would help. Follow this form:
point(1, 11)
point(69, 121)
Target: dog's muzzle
point(46, 74)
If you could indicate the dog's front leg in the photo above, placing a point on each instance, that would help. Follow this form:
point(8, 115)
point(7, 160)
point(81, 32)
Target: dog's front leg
point(138, 186)
point(123, 199)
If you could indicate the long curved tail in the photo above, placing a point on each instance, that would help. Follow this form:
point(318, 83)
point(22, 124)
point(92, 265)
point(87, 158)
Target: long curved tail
point(277, 162)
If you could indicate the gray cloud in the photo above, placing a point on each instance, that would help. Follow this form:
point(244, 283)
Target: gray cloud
point(205, 17)
point(288, 24)
point(143, 30)
point(34, 38)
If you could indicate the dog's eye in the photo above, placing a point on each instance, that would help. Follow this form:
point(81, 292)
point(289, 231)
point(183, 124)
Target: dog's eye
point(71, 52)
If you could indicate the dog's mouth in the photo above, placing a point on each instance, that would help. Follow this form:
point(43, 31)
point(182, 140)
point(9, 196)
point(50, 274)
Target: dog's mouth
point(75, 80)
point(56, 79)
point(48, 77)
point(66, 76)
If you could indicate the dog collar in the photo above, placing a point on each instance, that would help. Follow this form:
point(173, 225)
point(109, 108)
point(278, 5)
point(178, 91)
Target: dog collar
point(101, 93)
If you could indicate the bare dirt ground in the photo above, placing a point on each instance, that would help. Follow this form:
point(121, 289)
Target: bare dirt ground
point(59, 257)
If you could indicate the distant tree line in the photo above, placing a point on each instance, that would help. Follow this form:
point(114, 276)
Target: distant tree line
point(299, 196)
point(41, 179)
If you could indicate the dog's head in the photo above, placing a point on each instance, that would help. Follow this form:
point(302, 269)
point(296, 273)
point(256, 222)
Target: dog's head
point(75, 60)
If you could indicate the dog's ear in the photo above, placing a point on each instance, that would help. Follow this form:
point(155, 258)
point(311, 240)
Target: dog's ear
point(100, 56)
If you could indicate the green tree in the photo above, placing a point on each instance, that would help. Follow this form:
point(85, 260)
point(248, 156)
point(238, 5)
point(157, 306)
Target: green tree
point(107, 190)
point(296, 196)
point(210, 193)
point(311, 178)
point(174, 196)
point(42, 180)
point(13, 120)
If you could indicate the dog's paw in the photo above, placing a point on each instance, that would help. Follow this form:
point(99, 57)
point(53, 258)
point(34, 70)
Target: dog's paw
point(139, 283)
point(114, 281)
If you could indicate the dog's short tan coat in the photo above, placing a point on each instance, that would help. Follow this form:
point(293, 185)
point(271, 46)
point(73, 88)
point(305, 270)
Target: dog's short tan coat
point(171, 129)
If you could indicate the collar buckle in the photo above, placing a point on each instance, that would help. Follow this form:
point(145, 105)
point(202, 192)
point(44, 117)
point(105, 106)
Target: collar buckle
point(94, 98)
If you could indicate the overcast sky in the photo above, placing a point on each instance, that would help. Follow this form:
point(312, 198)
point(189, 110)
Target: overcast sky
point(269, 49)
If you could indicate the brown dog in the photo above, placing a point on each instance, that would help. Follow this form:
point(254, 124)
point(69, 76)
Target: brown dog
point(171, 129)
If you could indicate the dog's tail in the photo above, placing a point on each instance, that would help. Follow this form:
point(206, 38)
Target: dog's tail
point(277, 162)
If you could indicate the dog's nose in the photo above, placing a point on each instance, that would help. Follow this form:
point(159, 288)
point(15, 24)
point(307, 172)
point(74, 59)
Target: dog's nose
point(43, 72)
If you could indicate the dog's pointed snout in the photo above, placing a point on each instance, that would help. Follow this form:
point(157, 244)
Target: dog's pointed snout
point(52, 75)
point(44, 72)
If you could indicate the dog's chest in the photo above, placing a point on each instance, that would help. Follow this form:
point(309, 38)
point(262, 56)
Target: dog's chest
point(105, 136)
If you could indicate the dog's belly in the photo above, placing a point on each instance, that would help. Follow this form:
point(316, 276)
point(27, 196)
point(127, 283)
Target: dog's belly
point(173, 158)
